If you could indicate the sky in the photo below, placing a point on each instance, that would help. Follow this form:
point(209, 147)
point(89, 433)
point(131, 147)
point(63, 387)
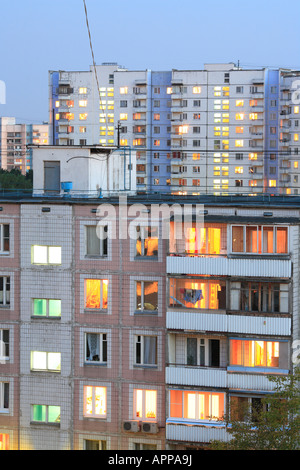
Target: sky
point(41, 35)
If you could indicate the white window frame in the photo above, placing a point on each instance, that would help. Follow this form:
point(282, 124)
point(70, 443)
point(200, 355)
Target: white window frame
point(101, 308)
point(2, 386)
point(3, 346)
point(142, 309)
point(48, 255)
point(47, 414)
point(47, 309)
point(140, 340)
point(6, 302)
point(103, 338)
point(144, 397)
point(100, 230)
point(46, 369)
point(93, 414)
point(2, 239)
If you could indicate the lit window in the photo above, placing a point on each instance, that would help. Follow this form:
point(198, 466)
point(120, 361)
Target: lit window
point(217, 91)
point(225, 117)
point(123, 142)
point(41, 254)
point(4, 441)
point(96, 347)
point(48, 361)
point(146, 296)
point(124, 90)
point(82, 90)
point(83, 116)
point(253, 116)
point(94, 401)
point(239, 102)
point(169, 90)
point(225, 104)
point(145, 350)
point(204, 294)
point(296, 137)
point(239, 169)
point(272, 183)
point(259, 239)
point(45, 414)
point(82, 103)
point(239, 130)
point(197, 89)
point(239, 143)
point(190, 405)
point(253, 353)
point(47, 307)
point(145, 405)
point(82, 129)
point(295, 164)
point(156, 117)
point(296, 109)
point(57, 104)
point(196, 156)
point(123, 117)
point(96, 293)
point(240, 116)
point(252, 156)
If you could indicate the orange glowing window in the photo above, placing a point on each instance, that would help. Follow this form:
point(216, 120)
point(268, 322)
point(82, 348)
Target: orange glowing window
point(94, 402)
point(239, 130)
point(4, 441)
point(203, 240)
point(196, 294)
point(96, 291)
point(239, 102)
point(190, 405)
point(251, 353)
point(145, 405)
point(147, 241)
point(259, 239)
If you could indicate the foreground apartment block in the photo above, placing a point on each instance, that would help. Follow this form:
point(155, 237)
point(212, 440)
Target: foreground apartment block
point(141, 340)
point(223, 129)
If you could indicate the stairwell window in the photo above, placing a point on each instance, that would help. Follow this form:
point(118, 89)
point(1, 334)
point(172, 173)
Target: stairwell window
point(47, 414)
point(44, 308)
point(45, 361)
point(43, 254)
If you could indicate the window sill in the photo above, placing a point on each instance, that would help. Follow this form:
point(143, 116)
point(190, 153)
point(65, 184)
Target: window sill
point(41, 317)
point(94, 363)
point(146, 258)
point(38, 423)
point(145, 312)
point(145, 366)
point(100, 257)
point(95, 310)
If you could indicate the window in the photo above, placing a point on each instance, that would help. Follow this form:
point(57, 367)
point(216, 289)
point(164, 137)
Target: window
point(147, 296)
point(83, 116)
point(94, 445)
point(4, 345)
point(156, 116)
point(47, 361)
point(82, 103)
point(146, 350)
point(4, 291)
point(96, 240)
point(96, 293)
point(41, 254)
point(260, 297)
point(123, 104)
point(4, 397)
point(197, 294)
point(147, 241)
point(239, 102)
point(245, 409)
point(82, 90)
point(256, 353)
point(259, 239)
point(239, 143)
point(145, 405)
point(4, 441)
point(204, 240)
point(203, 352)
point(47, 308)
point(197, 89)
point(4, 238)
point(82, 129)
point(190, 405)
point(123, 90)
point(45, 414)
point(94, 401)
point(96, 347)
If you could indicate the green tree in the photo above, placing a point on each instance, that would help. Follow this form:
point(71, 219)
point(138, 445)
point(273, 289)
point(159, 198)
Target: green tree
point(273, 426)
point(14, 179)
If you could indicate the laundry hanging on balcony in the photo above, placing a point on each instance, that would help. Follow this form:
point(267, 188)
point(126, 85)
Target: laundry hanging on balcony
point(192, 295)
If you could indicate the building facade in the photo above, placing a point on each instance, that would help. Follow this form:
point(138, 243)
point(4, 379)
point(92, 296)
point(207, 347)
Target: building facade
point(14, 138)
point(223, 129)
point(142, 339)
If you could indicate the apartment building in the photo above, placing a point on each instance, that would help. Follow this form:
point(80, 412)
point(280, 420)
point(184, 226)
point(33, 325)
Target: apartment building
point(223, 129)
point(14, 138)
point(140, 340)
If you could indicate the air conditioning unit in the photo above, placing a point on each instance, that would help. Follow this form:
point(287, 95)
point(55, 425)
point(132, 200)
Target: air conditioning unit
point(152, 428)
point(131, 426)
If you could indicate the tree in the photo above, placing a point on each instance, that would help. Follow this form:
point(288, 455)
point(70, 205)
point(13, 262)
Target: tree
point(275, 425)
point(15, 180)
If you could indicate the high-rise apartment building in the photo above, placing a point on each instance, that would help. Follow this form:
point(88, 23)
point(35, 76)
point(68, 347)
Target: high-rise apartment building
point(14, 138)
point(126, 326)
point(223, 129)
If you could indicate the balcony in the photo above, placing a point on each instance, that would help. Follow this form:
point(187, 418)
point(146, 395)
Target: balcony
point(221, 265)
point(195, 432)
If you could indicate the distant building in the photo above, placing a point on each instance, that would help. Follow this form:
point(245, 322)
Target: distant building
point(14, 139)
point(223, 129)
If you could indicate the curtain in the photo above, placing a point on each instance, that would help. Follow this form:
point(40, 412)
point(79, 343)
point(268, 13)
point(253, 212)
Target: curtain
point(149, 350)
point(93, 350)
